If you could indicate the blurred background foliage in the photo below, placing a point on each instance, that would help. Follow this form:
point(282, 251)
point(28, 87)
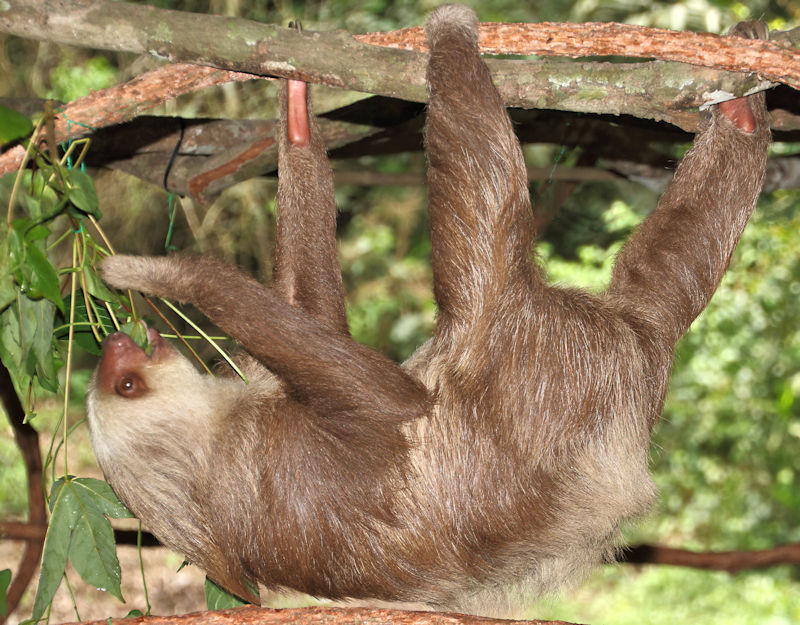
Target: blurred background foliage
point(725, 455)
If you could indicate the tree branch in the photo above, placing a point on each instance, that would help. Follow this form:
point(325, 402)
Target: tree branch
point(27, 439)
point(658, 90)
point(728, 561)
point(252, 615)
point(776, 60)
point(214, 154)
point(340, 60)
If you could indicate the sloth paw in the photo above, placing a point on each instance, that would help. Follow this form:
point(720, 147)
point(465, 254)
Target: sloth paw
point(739, 111)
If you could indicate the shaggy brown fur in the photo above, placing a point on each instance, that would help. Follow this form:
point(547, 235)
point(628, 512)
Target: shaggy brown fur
point(505, 453)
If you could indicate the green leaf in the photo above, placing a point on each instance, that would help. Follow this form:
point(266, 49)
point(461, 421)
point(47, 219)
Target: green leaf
point(5, 580)
point(39, 232)
point(103, 497)
point(95, 286)
point(8, 289)
point(26, 341)
point(40, 315)
point(63, 516)
point(42, 276)
point(13, 125)
point(139, 335)
point(16, 246)
point(134, 613)
point(92, 550)
point(45, 200)
point(79, 531)
point(8, 286)
point(82, 193)
point(83, 335)
point(217, 598)
point(11, 352)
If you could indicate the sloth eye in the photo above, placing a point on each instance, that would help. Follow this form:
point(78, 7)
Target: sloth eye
point(130, 385)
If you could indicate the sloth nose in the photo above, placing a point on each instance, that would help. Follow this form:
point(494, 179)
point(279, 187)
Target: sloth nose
point(118, 340)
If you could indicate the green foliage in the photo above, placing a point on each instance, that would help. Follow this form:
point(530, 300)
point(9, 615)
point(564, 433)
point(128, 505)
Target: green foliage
point(30, 288)
point(45, 207)
point(69, 81)
point(79, 531)
point(385, 252)
point(731, 428)
point(660, 595)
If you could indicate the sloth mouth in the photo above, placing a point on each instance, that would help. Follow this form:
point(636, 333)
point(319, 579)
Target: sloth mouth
point(156, 343)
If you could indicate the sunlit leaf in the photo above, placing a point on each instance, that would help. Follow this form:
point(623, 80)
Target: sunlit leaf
point(138, 333)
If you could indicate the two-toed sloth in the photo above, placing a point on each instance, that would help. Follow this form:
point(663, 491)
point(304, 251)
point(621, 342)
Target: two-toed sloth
point(505, 453)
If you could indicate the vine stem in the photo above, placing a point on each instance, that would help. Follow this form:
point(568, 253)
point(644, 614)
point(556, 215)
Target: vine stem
point(73, 291)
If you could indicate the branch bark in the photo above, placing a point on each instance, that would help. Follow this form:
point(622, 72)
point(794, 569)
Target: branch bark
point(775, 61)
point(251, 615)
point(341, 60)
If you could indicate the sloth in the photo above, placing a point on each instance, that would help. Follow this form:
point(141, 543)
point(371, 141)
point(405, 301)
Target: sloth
point(504, 455)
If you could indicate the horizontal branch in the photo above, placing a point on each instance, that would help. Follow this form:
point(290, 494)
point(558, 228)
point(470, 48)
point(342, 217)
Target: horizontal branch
point(776, 61)
point(728, 561)
point(657, 90)
point(252, 615)
point(214, 154)
point(21, 530)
